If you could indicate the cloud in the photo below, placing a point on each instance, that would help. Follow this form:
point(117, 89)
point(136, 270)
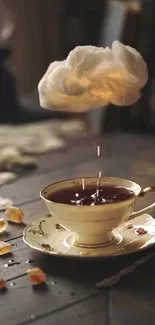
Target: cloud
point(92, 77)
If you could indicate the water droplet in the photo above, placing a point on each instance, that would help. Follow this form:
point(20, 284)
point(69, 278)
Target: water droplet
point(33, 317)
point(12, 284)
point(54, 282)
point(5, 265)
point(11, 263)
point(98, 151)
point(29, 261)
point(83, 184)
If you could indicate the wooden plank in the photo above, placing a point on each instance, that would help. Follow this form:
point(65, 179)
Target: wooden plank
point(81, 149)
point(69, 281)
point(50, 165)
point(70, 277)
point(90, 312)
point(116, 160)
point(21, 300)
point(132, 300)
point(28, 188)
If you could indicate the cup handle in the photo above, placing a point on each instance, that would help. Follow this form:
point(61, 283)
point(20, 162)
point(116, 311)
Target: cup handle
point(147, 209)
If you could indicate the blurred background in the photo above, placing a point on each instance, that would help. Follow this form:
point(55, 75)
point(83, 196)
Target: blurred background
point(34, 33)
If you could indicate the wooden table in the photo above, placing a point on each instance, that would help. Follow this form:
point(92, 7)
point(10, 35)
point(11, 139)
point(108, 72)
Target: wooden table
point(70, 296)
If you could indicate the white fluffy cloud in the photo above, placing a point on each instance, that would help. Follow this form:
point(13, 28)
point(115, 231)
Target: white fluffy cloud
point(92, 77)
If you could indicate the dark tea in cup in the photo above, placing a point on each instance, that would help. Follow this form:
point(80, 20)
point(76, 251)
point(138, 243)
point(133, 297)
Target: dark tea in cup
point(91, 195)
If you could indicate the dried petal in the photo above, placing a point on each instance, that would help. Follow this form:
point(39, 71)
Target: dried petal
point(14, 214)
point(5, 203)
point(5, 248)
point(129, 225)
point(6, 177)
point(2, 284)
point(141, 231)
point(3, 225)
point(36, 276)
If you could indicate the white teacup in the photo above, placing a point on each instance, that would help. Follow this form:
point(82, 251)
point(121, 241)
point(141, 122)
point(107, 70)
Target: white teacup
point(92, 225)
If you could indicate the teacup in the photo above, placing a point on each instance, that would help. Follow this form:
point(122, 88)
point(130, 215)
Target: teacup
point(92, 225)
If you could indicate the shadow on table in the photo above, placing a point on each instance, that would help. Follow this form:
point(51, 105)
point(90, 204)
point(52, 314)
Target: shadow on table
point(88, 272)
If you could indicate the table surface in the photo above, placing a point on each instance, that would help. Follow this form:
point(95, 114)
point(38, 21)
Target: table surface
point(70, 294)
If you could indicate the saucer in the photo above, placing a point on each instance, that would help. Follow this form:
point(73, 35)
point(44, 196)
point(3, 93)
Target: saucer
point(48, 237)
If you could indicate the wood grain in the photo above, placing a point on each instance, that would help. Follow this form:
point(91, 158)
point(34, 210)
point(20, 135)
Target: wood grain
point(57, 159)
point(63, 277)
point(132, 301)
point(89, 312)
point(21, 301)
point(121, 156)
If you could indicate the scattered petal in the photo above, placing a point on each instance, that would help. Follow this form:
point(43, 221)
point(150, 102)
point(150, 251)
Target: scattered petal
point(14, 214)
point(2, 284)
point(5, 248)
point(5, 203)
point(6, 177)
point(129, 226)
point(12, 160)
point(36, 276)
point(141, 231)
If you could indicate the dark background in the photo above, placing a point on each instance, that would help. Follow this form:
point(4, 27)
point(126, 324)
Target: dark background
point(45, 31)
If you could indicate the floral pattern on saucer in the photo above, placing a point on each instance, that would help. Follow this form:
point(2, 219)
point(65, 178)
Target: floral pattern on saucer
point(47, 236)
